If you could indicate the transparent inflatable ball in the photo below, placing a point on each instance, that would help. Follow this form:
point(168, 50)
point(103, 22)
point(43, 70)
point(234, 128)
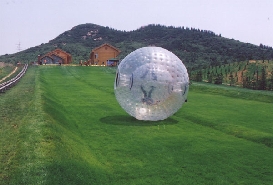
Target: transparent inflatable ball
point(151, 83)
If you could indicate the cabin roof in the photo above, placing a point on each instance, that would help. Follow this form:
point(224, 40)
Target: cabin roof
point(106, 44)
point(54, 52)
point(46, 56)
point(59, 50)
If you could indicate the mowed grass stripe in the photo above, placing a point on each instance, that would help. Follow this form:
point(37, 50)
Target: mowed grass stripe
point(242, 118)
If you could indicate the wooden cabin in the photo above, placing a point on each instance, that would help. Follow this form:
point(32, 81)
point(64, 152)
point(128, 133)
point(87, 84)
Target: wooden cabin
point(104, 55)
point(56, 56)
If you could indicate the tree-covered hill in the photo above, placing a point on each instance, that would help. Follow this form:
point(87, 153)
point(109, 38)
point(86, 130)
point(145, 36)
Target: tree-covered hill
point(197, 48)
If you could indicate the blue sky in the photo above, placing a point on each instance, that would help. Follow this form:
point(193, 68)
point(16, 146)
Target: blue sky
point(33, 22)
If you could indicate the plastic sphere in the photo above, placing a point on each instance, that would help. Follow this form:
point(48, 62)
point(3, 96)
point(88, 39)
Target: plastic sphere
point(151, 83)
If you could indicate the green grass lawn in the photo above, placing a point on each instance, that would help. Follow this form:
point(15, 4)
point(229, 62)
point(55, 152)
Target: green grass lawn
point(63, 125)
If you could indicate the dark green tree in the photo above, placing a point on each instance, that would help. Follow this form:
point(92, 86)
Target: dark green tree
point(209, 77)
point(262, 81)
point(270, 82)
point(245, 82)
point(199, 76)
point(231, 79)
point(218, 79)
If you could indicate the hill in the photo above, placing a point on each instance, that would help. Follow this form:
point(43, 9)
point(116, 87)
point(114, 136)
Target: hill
point(197, 48)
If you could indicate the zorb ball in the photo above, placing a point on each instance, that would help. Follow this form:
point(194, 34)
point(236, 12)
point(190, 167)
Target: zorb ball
point(151, 83)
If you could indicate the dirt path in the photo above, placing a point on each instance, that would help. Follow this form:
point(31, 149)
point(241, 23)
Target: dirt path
point(15, 69)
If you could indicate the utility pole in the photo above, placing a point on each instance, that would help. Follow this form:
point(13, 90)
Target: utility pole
point(19, 46)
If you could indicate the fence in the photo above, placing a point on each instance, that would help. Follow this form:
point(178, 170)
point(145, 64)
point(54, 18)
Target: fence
point(8, 84)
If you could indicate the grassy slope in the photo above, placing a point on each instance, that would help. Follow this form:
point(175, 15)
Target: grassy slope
point(4, 71)
point(23, 125)
point(71, 130)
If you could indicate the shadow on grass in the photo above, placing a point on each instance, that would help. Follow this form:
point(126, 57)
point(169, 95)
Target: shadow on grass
point(235, 130)
point(75, 172)
point(131, 121)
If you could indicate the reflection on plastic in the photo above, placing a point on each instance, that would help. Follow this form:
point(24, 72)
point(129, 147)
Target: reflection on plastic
point(151, 83)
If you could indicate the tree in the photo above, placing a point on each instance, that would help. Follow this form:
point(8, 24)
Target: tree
point(209, 77)
point(262, 81)
point(199, 76)
point(270, 82)
point(245, 82)
point(218, 78)
point(231, 79)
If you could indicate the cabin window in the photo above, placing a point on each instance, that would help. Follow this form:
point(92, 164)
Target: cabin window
point(96, 56)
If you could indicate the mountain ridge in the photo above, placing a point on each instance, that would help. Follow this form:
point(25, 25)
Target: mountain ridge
point(197, 48)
